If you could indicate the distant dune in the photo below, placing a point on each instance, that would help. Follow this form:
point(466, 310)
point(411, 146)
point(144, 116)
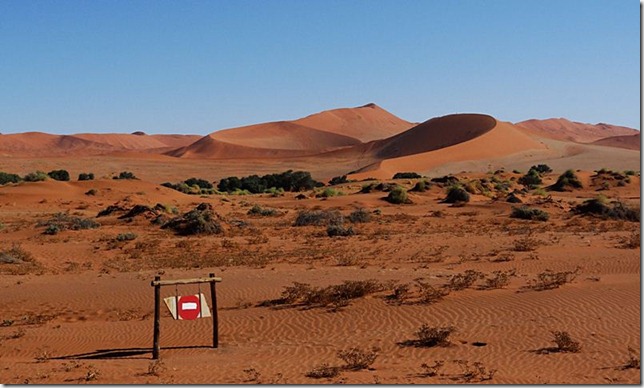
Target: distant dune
point(630, 142)
point(563, 129)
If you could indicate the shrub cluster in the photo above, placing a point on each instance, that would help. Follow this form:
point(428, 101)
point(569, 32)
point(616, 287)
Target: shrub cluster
point(257, 210)
point(406, 175)
point(318, 217)
point(9, 178)
point(532, 179)
point(59, 175)
point(339, 295)
point(63, 221)
point(398, 196)
point(528, 213)
point(36, 176)
point(567, 181)
point(195, 186)
point(200, 220)
point(360, 216)
point(336, 180)
point(86, 176)
point(456, 193)
point(599, 207)
point(289, 181)
point(125, 175)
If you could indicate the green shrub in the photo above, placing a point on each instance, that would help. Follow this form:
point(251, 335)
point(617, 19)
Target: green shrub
point(629, 173)
point(421, 186)
point(129, 236)
point(201, 183)
point(289, 181)
point(456, 194)
point(59, 175)
point(336, 180)
point(63, 221)
point(37, 176)
point(567, 180)
point(541, 168)
point(52, 229)
point(531, 180)
point(86, 176)
point(328, 192)
point(398, 196)
point(368, 187)
point(200, 220)
point(527, 213)
point(599, 207)
point(125, 175)
point(9, 178)
point(406, 175)
point(259, 211)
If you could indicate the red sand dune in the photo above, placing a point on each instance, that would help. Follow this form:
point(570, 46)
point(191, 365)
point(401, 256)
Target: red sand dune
point(563, 129)
point(442, 140)
point(366, 123)
point(630, 142)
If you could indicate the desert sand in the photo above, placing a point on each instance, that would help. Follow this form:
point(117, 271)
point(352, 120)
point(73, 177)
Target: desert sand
point(78, 305)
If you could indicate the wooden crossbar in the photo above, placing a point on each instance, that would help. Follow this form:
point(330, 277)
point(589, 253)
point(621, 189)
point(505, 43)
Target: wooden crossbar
point(184, 281)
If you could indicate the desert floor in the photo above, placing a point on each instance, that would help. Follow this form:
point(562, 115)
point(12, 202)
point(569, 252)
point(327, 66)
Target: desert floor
point(78, 306)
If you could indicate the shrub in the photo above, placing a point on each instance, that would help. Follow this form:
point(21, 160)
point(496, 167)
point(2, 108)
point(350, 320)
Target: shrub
point(86, 176)
point(289, 181)
point(63, 221)
point(528, 213)
point(599, 207)
point(335, 230)
point(258, 210)
point(428, 294)
point(633, 361)
point(531, 180)
point(461, 281)
point(398, 196)
point(565, 343)
point(9, 178)
point(512, 198)
point(59, 175)
point(200, 220)
point(336, 180)
point(15, 255)
point(129, 236)
point(91, 192)
point(629, 172)
point(318, 217)
point(541, 168)
point(368, 187)
point(336, 295)
point(323, 371)
point(52, 229)
point(35, 176)
point(456, 194)
point(201, 183)
point(421, 186)
point(328, 192)
point(406, 175)
point(432, 336)
point(357, 359)
point(360, 216)
point(125, 175)
point(567, 180)
point(499, 279)
point(549, 280)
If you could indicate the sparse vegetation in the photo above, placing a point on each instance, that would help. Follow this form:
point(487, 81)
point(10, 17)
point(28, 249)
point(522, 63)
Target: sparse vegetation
point(323, 371)
point(531, 180)
point(257, 210)
point(36, 176)
point(421, 186)
point(428, 336)
point(549, 280)
point(565, 343)
point(406, 175)
point(528, 213)
point(200, 220)
point(288, 181)
point(567, 181)
point(461, 281)
point(337, 180)
point(59, 175)
point(474, 372)
point(360, 216)
point(398, 196)
point(600, 208)
point(63, 221)
point(9, 178)
point(86, 176)
point(456, 194)
point(129, 236)
point(633, 361)
point(318, 218)
point(125, 175)
point(335, 230)
point(358, 359)
point(328, 192)
point(541, 168)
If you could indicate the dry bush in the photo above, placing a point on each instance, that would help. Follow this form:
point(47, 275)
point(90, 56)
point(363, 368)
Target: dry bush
point(432, 370)
point(461, 281)
point(428, 336)
point(337, 230)
point(429, 294)
point(633, 361)
point(200, 220)
point(318, 218)
point(474, 372)
point(525, 244)
point(499, 279)
point(632, 241)
point(357, 359)
point(399, 295)
point(17, 261)
point(565, 343)
point(360, 216)
point(549, 280)
point(323, 371)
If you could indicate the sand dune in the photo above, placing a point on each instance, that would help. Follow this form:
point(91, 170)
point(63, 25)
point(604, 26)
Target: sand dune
point(630, 142)
point(366, 123)
point(563, 129)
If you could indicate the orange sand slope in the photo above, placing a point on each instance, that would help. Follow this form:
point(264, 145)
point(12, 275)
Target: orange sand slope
point(630, 142)
point(562, 129)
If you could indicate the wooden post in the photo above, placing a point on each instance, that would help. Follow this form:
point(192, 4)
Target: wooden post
point(157, 319)
point(215, 319)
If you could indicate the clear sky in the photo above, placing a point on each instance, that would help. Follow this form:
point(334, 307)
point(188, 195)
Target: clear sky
point(199, 66)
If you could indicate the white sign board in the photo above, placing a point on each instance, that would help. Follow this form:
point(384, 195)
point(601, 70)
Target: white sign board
point(189, 306)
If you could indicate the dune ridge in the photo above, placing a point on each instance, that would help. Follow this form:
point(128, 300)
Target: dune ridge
point(564, 129)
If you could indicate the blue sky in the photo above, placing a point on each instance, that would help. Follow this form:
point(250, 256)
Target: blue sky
point(199, 66)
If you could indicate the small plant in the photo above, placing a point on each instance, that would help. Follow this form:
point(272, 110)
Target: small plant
point(156, 367)
point(541, 168)
point(328, 192)
point(565, 343)
point(406, 175)
point(52, 229)
point(432, 370)
point(549, 280)
point(37, 176)
point(525, 244)
point(9, 178)
point(457, 194)
point(633, 361)
point(200, 220)
point(499, 279)
point(631, 242)
point(599, 207)
point(360, 216)
point(475, 372)
point(59, 175)
point(129, 236)
point(429, 294)
point(336, 230)
point(358, 359)
point(91, 192)
point(398, 196)
point(528, 213)
point(323, 371)
point(260, 211)
point(125, 175)
point(86, 176)
point(531, 180)
point(92, 373)
point(337, 180)
point(461, 281)
point(421, 186)
point(318, 217)
point(567, 181)
point(428, 336)
point(400, 294)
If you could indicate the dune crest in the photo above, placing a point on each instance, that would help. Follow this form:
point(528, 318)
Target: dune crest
point(563, 129)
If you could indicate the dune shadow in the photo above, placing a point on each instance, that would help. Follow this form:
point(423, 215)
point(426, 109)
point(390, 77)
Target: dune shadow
point(132, 353)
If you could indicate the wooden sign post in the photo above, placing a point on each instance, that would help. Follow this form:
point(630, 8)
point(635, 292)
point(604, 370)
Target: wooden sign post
point(157, 283)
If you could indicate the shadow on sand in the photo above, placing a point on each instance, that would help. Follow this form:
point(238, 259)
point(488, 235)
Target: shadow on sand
point(133, 353)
